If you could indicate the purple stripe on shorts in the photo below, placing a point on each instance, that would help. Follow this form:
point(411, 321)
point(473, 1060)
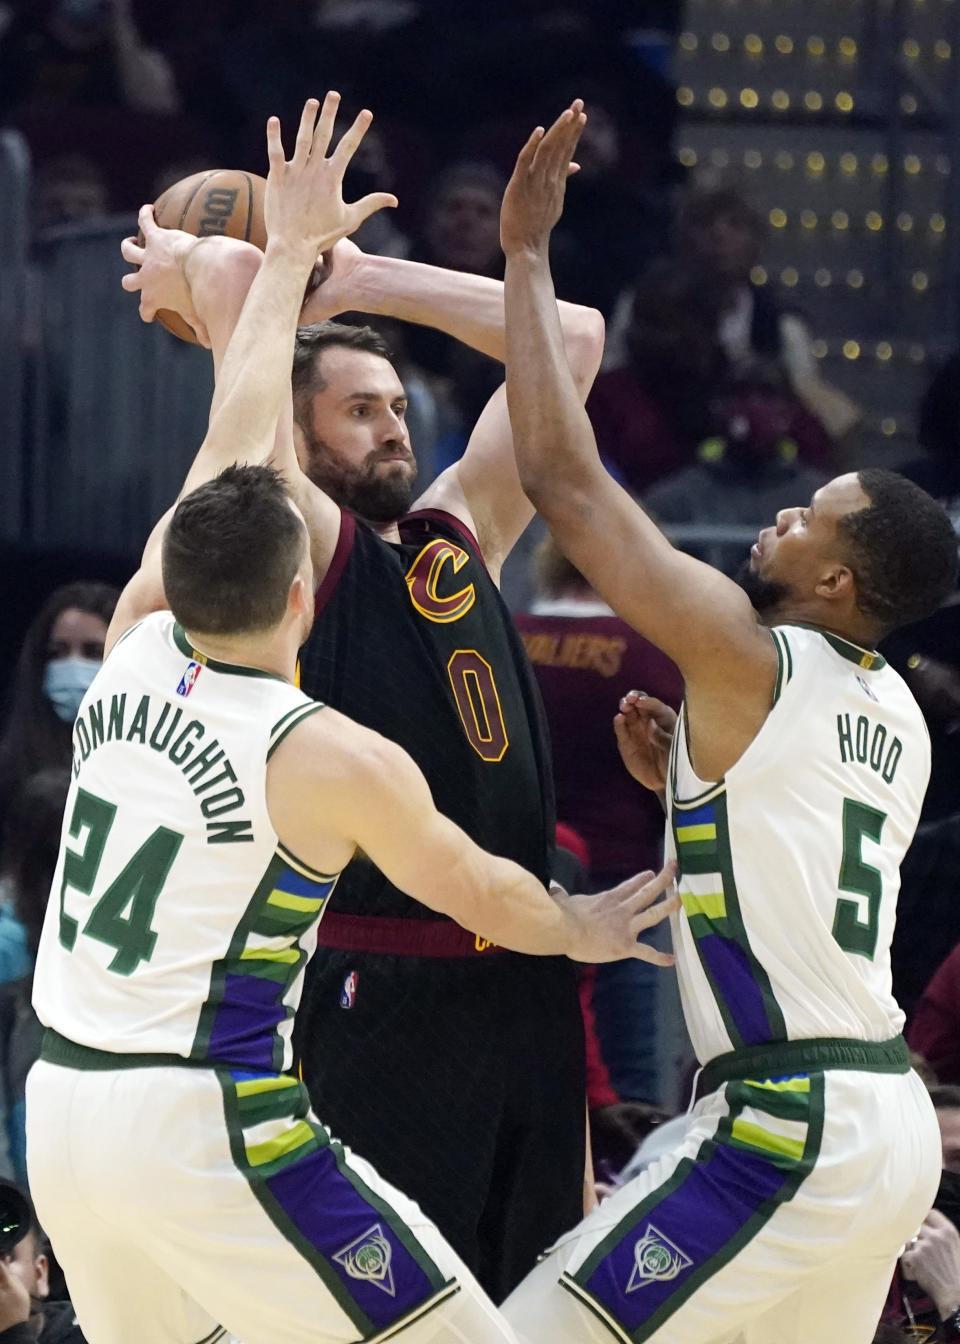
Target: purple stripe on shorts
point(742, 997)
point(678, 1236)
point(353, 1236)
point(246, 1022)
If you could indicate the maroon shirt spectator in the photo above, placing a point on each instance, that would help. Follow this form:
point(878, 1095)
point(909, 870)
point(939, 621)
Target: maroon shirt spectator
point(934, 1030)
point(585, 659)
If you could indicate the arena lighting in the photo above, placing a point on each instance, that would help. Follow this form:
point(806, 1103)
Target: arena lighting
point(916, 354)
point(808, 219)
point(938, 224)
point(941, 50)
point(873, 221)
point(780, 99)
point(848, 162)
point(720, 42)
point(839, 219)
point(753, 44)
point(851, 350)
point(752, 158)
point(847, 48)
point(884, 351)
point(816, 46)
point(855, 278)
point(816, 162)
point(822, 277)
point(888, 426)
point(687, 156)
point(790, 276)
point(920, 281)
point(687, 41)
point(783, 44)
point(908, 104)
point(904, 221)
point(844, 101)
point(911, 49)
point(778, 218)
point(758, 275)
point(685, 96)
point(784, 160)
point(717, 98)
point(749, 98)
point(879, 163)
point(813, 101)
point(820, 349)
point(912, 164)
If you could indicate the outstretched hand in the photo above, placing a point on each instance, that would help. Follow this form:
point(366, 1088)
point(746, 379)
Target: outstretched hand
point(609, 923)
point(303, 206)
point(533, 200)
point(160, 278)
point(644, 729)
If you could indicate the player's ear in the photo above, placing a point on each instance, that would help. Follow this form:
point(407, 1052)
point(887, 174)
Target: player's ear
point(300, 597)
point(836, 583)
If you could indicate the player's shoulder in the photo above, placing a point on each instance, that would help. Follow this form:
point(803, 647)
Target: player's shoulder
point(317, 744)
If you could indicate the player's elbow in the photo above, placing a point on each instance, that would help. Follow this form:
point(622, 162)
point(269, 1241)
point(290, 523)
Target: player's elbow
point(583, 337)
point(220, 286)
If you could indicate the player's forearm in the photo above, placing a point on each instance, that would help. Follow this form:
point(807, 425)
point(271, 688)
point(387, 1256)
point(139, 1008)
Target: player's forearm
point(553, 438)
point(220, 272)
point(469, 308)
point(254, 380)
point(502, 902)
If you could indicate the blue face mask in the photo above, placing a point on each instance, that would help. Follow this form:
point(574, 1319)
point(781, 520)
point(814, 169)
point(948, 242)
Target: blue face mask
point(65, 682)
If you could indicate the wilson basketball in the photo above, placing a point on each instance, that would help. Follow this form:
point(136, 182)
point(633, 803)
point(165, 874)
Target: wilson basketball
point(220, 201)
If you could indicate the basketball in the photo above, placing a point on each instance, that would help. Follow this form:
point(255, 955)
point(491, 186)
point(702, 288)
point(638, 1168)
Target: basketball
point(220, 201)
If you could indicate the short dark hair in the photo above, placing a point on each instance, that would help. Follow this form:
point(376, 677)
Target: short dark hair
point(231, 551)
point(313, 340)
point(902, 550)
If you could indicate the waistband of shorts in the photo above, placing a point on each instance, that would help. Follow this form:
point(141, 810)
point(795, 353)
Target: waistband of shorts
point(401, 937)
point(57, 1049)
point(784, 1058)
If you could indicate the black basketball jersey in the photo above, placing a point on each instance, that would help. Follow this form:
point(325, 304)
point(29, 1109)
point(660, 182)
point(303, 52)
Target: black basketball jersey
point(414, 640)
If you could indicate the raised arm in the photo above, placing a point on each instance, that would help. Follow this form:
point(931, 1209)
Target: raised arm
point(482, 488)
point(334, 786)
point(304, 212)
point(696, 615)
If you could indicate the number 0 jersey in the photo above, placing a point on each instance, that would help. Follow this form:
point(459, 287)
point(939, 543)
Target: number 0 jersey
point(788, 868)
point(414, 641)
point(177, 923)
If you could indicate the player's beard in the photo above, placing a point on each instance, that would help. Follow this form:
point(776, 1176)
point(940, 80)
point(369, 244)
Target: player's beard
point(765, 594)
point(377, 493)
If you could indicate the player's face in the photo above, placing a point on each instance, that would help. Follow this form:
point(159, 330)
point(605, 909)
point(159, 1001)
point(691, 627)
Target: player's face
point(354, 441)
point(791, 557)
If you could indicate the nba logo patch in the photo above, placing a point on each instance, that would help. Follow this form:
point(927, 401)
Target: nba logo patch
point(189, 679)
point(867, 688)
point(348, 993)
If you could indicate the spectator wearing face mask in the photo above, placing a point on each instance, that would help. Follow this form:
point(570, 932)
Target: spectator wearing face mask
point(59, 658)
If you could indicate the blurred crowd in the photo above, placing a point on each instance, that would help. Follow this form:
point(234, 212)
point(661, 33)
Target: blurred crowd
point(710, 407)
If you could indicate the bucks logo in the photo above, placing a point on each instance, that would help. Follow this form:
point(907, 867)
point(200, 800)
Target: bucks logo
point(368, 1258)
point(656, 1259)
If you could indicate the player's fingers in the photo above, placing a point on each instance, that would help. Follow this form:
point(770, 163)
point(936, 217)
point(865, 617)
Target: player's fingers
point(642, 891)
point(644, 952)
point(551, 150)
point(369, 205)
point(275, 155)
point(324, 131)
point(351, 139)
point(146, 221)
point(527, 154)
point(572, 168)
point(148, 311)
point(305, 133)
point(132, 281)
point(131, 251)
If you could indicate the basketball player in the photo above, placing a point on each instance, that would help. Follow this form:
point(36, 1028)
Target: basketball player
point(172, 1155)
point(796, 776)
point(455, 1066)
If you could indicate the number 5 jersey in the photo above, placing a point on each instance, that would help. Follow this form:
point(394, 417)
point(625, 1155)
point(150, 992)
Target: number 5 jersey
point(788, 868)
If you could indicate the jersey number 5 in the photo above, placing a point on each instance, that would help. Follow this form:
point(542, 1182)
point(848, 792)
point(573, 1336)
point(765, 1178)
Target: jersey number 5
point(853, 933)
point(122, 916)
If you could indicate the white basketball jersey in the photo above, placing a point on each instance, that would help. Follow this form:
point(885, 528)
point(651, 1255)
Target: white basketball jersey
point(788, 868)
point(177, 923)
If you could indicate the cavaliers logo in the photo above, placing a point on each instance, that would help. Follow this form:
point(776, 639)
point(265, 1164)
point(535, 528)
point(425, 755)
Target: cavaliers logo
point(439, 562)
